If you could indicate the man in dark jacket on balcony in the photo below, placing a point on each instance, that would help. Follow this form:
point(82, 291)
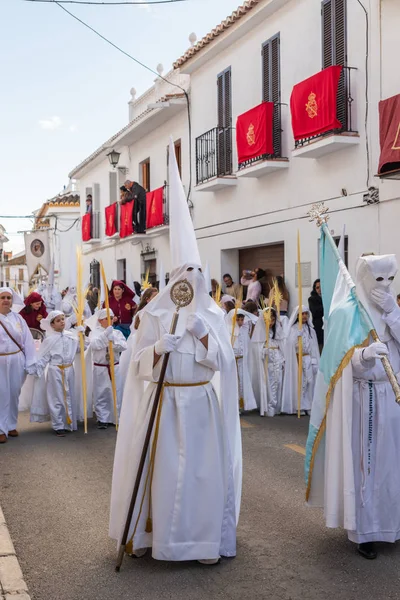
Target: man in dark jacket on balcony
point(136, 193)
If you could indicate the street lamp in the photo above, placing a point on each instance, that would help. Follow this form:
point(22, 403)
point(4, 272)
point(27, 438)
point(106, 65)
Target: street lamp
point(113, 157)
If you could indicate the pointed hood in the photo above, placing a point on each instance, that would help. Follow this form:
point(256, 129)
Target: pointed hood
point(182, 237)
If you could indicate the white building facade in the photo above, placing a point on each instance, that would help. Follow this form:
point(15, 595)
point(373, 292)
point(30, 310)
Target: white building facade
point(249, 217)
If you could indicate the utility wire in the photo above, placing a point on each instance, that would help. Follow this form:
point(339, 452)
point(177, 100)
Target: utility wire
point(88, 2)
point(137, 61)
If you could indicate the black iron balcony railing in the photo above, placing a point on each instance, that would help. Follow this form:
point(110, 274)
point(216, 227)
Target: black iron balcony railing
point(276, 136)
point(214, 154)
point(343, 108)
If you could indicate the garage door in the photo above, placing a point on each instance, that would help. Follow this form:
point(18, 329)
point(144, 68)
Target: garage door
point(271, 258)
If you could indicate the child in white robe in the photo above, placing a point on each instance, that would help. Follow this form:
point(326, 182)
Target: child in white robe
point(268, 364)
point(240, 337)
point(310, 363)
point(55, 362)
point(100, 336)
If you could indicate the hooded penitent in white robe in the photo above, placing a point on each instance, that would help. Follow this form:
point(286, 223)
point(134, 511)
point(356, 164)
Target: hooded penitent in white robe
point(242, 350)
point(268, 366)
point(54, 393)
point(13, 364)
point(70, 303)
point(310, 365)
point(103, 401)
point(360, 465)
point(196, 484)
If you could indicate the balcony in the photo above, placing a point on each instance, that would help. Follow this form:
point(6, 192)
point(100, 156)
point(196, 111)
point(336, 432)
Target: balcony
point(321, 144)
point(214, 160)
point(264, 163)
point(94, 237)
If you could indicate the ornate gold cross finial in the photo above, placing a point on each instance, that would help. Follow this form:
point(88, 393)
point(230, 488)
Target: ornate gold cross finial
point(318, 213)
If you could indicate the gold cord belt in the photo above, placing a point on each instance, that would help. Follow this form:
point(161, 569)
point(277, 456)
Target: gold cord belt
point(10, 353)
point(238, 357)
point(150, 472)
point(62, 369)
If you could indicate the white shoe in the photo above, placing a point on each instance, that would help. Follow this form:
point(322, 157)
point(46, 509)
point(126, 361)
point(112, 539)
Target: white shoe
point(139, 553)
point(210, 561)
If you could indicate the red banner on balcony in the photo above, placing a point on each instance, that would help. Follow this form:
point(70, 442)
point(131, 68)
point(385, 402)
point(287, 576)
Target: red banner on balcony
point(389, 122)
point(313, 104)
point(111, 213)
point(126, 226)
point(254, 132)
point(86, 227)
point(154, 208)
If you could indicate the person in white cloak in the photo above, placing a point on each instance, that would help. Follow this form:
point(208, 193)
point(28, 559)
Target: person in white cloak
point(195, 487)
point(363, 435)
point(268, 364)
point(55, 372)
point(240, 339)
point(126, 356)
point(17, 354)
point(70, 303)
point(310, 363)
point(100, 337)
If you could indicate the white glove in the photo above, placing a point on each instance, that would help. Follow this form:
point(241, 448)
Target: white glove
point(196, 326)
point(166, 344)
point(80, 329)
point(375, 350)
point(72, 319)
point(383, 299)
point(109, 332)
point(300, 333)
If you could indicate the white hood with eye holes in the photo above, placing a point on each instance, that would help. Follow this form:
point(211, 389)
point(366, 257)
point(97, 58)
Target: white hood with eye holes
point(375, 272)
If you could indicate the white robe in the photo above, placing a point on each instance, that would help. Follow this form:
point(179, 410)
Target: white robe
point(12, 367)
point(364, 498)
point(103, 402)
point(269, 379)
point(310, 368)
point(241, 349)
point(56, 350)
point(193, 496)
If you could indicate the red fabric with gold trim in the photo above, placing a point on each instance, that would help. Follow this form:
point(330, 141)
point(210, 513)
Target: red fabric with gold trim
point(254, 132)
point(126, 225)
point(111, 212)
point(154, 208)
point(313, 104)
point(86, 227)
point(389, 123)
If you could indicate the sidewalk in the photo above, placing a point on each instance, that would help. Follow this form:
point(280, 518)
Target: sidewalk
point(12, 584)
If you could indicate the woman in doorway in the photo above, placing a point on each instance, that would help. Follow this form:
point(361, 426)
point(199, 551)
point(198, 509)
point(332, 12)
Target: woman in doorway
point(254, 287)
point(34, 310)
point(122, 305)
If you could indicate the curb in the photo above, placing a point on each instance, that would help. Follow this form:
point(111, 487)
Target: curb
point(12, 584)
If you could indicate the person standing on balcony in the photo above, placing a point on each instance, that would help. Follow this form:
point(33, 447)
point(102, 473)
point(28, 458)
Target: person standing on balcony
point(89, 203)
point(123, 306)
point(136, 193)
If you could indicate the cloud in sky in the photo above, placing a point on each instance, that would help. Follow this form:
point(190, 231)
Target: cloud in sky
point(51, 123)
point(73, 128)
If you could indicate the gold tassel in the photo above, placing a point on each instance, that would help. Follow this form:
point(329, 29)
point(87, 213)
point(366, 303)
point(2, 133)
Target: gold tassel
point(149, 525)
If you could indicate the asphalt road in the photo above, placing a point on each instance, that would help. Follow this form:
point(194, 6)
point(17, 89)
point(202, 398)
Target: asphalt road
point(55, 497)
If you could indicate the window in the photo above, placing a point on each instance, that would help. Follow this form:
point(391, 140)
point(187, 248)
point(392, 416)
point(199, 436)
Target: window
point(113, 180)
point(95, 273)
point(334, 34)
point(346, 248)
point(224, 134)
point(20, 274)
point(121, 269)
point(271, 84)
point(178, 155)
point(96, 212)
point(145, 174)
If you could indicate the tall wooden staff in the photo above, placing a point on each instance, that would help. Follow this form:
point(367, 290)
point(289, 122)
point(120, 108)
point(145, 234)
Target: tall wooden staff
point(110, 344)
point(81, 296)
point(182, 295)
point(300, 323)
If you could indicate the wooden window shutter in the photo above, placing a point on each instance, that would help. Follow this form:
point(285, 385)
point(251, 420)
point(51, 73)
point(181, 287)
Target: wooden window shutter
point(327, 36)
point(96, 196)
point(266, 91)
point(220, 92)
point(340, 46)
point(113, 186)
point(271, 91)
point(227, 99)
point(334, 35)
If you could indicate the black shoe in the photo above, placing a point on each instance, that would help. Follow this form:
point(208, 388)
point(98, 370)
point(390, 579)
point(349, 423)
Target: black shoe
point(101, 425)
point(111, 424)
point(368, 550)
point(60, 432)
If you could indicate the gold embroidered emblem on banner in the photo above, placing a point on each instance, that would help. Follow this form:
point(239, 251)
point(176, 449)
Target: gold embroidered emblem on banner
point(312, 106)
point(251, 136)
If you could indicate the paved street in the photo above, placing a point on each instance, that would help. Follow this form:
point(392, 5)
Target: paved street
point(55, 497)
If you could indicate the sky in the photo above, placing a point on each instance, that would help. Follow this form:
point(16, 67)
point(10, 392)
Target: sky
point(64, 91)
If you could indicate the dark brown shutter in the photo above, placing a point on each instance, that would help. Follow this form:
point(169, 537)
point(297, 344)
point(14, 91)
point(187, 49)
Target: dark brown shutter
point(266, 93)
point(272, 85)
point(220, 85)
point(334, 42)
point(327, 37)
point(340, 54)
point(224, 132)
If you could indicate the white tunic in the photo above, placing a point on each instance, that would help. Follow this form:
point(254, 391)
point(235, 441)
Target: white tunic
point(12, 367)
point(241, 349)
point(272, 363)
point(374, 450)
point(103, 401)
point(58, 351)
point(192, 500)
point(310, 368)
